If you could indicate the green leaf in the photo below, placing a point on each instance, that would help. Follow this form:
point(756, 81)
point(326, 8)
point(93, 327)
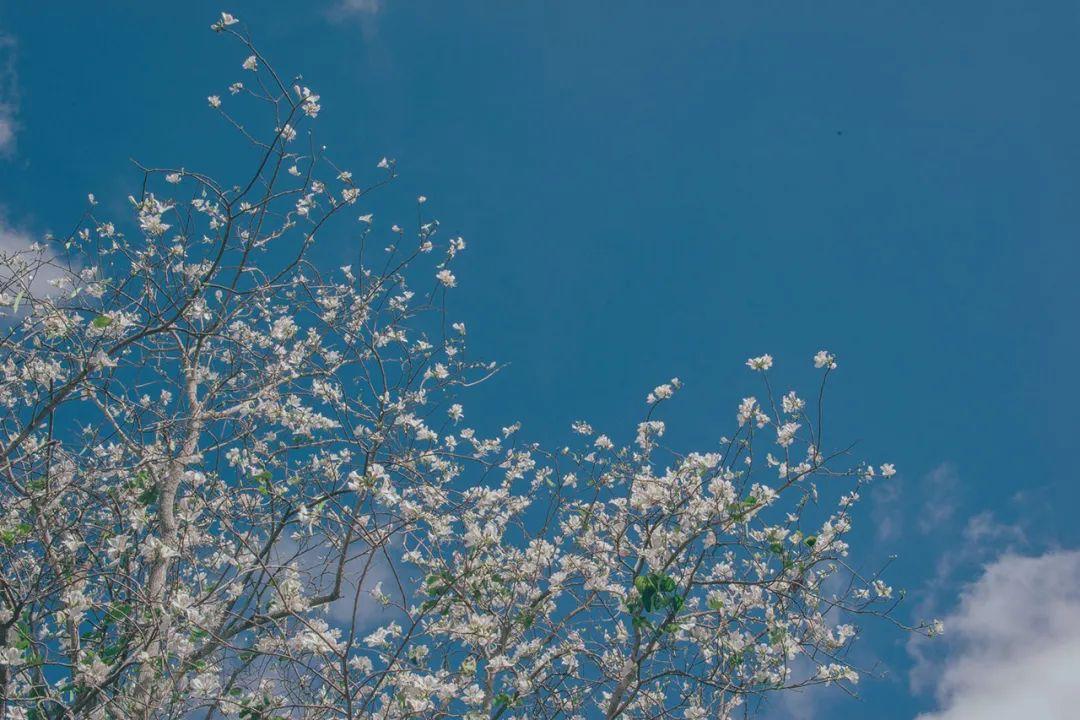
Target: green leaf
point(148, 496)
point(655, 592)
point(648, 600)
point(12, 536)
point(101, 321)
point(110, 653)
point(117, 612)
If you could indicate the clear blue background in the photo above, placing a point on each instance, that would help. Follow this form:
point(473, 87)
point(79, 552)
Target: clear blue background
point(655, 189)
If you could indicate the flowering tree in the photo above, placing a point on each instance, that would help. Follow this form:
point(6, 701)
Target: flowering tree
point(236, 482)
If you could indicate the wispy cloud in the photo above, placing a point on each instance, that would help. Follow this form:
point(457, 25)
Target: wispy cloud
point(940, 488)
point(9, 94)
point(1012, 645)
point(887, 510)
point(343, 9)
point(7, 131)
point(933, 498)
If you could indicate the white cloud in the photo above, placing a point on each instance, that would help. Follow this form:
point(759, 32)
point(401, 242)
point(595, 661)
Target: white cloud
point(356, 606)
point(12, 240)
point(1012, 646)
point(804, 703)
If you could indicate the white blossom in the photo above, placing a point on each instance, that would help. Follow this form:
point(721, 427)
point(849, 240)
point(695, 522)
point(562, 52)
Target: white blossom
point(825, 359)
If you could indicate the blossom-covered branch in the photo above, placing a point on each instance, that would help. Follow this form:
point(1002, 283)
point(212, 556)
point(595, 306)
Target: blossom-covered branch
point(236, 480)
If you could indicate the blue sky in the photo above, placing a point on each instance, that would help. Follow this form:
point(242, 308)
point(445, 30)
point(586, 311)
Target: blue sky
point(652, 191)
